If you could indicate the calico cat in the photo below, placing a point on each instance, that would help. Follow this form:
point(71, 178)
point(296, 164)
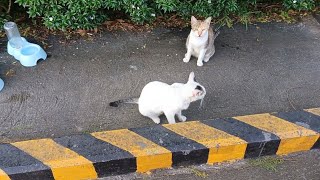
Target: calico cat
point(200, 42)
point(160, 98)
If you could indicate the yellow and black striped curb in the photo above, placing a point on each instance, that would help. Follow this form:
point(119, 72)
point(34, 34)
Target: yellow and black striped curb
point(106, 153)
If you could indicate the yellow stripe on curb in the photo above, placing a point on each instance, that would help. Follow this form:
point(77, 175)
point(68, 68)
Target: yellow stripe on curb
point(315, 111)
point(294, 138)
point(149, 155)
point(64, 163)
point(3, 175)
point(222, 146)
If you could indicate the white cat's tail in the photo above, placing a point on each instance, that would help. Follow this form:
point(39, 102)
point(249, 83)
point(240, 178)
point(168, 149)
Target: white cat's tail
point(129, 101)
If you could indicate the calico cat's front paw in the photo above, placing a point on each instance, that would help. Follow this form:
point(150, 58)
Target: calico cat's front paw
point(199, 63)
point(186, 60)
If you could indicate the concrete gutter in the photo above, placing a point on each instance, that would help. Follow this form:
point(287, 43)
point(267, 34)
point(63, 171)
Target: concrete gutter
point(101, 154)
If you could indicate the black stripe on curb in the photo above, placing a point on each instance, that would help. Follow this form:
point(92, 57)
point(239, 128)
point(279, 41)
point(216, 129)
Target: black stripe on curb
point(184, 150)
point(305, 119)
point(20, 165)
point(107, 159)
point(260, 143)
point(316, 145)
point(301, 118)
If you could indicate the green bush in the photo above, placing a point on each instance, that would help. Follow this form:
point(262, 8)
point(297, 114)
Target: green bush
point(299, 4)
point(63, 14)
point(87, 14)
point(3, 18)
point(4, 12)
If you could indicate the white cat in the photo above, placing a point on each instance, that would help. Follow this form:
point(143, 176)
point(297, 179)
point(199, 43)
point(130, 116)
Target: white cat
point(157, 98)
point(200, 42)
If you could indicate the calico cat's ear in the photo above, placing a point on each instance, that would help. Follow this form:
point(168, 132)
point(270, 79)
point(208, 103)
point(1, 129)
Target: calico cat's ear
point(208, 20)
point(191, 77)
point(193, 20)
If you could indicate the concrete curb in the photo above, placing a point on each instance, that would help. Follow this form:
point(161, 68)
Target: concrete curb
point(101, 154)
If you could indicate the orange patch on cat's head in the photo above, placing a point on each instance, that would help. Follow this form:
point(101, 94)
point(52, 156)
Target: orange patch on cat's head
point(199, 26)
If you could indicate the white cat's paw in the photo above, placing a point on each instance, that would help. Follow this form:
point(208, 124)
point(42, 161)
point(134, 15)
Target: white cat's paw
point(186, 60)
point(206, 60)
point(199, 63)
point(183, 118)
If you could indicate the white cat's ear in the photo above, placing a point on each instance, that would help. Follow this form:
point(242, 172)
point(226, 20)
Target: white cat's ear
point(208, 20)
point(191, 77)
point(193, 20)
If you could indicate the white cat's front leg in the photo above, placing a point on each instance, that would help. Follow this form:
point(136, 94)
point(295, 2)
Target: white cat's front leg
point(181, 117)
point(170, 117)
point(201, 56)
point(187, 56)
point(155, 118)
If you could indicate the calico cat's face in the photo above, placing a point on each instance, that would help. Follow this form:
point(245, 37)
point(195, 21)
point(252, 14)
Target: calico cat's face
point(199, 28)
point(195, 90)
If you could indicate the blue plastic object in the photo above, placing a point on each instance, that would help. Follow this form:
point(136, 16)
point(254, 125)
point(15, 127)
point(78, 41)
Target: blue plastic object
point(1, 84)
point(28, 54)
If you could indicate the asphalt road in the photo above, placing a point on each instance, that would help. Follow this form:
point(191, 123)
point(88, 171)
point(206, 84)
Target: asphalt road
point(266, 68)
point(299, 166)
